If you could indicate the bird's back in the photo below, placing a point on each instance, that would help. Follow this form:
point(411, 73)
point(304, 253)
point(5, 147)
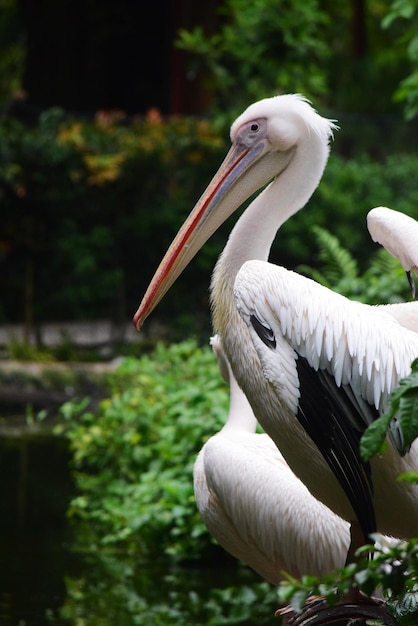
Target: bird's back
point(256, 508)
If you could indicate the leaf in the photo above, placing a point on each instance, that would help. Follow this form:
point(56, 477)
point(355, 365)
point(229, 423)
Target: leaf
point(408, 408)
point(298, 600)
point(374, 436)
point(404, 403)
point(338, 261)
point(409, 603)
point(410, 477)
point(413, 49)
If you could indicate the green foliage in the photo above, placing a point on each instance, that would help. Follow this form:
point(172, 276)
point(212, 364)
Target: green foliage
point(336, 263)
point(115, 186)
point(64, 350)
point(118, 591)
point(12, 53)
point(407, 12)
point(348, 190)
point(404, 404)
point(134, 514)
point(394, 570)
point(22, 351)
point(266, 46)
point(337, 52)
point(382, 282)
point(133, 459)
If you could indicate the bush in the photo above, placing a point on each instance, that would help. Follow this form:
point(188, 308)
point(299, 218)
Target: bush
point(90, 207)
point(146, 556)
point(133, 459)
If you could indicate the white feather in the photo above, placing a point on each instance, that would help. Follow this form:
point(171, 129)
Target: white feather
point(375, 371)
point(397, 232)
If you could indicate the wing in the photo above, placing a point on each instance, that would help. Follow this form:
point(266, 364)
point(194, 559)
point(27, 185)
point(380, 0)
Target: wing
point(348, 356)
point(361, 347)
point(397, 232)
point(261, 513)
point(331, 420)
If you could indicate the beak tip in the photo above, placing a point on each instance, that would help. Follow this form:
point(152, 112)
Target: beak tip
point(137, 321)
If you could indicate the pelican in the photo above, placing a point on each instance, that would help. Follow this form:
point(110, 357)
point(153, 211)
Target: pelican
point(253, 504)
point(398, 233)
point(316, 367)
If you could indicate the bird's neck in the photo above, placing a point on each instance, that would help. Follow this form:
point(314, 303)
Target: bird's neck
point(255, 231)
point(240, 416)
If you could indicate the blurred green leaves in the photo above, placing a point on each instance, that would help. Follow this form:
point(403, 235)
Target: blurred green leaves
point(133, 459)
point(261, 49)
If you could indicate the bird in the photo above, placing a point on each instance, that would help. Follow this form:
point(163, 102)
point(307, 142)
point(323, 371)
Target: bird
point(254, 506)
point(316, 367)
point(398, 234)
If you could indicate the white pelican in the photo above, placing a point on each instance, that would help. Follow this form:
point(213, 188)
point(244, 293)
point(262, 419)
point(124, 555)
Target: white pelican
point(331, 362)
point(398, 233)
point(254, 505)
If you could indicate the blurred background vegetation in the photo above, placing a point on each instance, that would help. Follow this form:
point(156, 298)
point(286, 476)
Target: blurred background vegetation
point(94, 182)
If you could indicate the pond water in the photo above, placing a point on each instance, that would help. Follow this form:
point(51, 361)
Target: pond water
point(44, 581)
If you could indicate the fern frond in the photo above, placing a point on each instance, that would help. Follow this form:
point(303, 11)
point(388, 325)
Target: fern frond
point(337, 262)
point(384, 263)
point(383, 281)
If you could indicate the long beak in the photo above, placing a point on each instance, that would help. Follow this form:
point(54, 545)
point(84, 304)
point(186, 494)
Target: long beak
point(213, 208)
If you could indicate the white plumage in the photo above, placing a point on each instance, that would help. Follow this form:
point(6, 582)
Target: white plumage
point(325, 363)
point(363, 349)
point(398, 233)
point(254, 505)
point(359, 345)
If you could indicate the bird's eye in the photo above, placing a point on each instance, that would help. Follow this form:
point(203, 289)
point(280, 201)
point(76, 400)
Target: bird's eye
point(251, 132)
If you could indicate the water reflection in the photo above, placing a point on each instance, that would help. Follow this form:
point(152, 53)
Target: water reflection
point(112, 591)
point(43, 581)
point(32, 587)
point(35, 488)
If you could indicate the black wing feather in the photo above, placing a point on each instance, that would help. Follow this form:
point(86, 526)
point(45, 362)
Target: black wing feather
point(329, 417)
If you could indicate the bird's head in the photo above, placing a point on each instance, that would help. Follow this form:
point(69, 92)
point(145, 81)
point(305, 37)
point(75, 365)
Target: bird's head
point(264, 139)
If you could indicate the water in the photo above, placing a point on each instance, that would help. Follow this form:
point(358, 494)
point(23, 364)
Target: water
point(35, 488)
point(43, 581)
